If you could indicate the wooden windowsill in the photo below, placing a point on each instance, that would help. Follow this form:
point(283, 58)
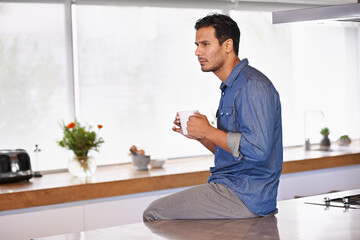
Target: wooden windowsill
point(121, 179)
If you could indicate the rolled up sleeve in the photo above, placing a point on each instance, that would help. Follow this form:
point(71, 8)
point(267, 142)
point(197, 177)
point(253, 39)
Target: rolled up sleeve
point(233, 140)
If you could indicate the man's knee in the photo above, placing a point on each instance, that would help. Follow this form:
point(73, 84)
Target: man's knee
point(150, 213)
point(148, 216)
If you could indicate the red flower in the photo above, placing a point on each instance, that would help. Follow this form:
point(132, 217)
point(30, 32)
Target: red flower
point(100, 126)
point(71, 125)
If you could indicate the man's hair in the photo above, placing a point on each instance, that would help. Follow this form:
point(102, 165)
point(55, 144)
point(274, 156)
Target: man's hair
point(225, 28)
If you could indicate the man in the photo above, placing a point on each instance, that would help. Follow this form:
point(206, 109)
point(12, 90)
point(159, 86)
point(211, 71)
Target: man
point(247, 142)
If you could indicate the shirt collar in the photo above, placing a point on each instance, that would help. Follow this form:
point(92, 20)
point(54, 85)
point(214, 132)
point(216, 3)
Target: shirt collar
point(234, 74)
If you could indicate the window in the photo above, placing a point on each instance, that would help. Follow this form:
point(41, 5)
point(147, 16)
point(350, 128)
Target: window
point(35, 88)
point(137, 68)
point(314, 68)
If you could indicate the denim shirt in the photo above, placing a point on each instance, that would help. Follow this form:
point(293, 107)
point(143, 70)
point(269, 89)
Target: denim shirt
point(250, 109)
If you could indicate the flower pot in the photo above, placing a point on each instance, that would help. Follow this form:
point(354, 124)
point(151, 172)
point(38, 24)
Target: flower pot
point(325, 143)
point(82, 166)
point(140, 162)
point(344, 141)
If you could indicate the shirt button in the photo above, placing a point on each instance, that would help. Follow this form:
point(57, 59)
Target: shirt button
point(223, 93)
point(227, 114)
point(221, 113)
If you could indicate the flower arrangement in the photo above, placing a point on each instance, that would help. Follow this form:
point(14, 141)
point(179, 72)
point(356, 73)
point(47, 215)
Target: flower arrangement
point(80, 139)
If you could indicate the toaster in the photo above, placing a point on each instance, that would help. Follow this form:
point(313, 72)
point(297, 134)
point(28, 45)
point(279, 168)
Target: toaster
point(15, 165)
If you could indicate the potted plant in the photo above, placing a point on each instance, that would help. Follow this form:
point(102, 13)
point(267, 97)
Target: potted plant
point(325, 142)
point(80, 140)
point(344, 140)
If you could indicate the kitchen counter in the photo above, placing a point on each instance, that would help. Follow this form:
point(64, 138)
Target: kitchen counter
point(121, 179)
point(295, 220)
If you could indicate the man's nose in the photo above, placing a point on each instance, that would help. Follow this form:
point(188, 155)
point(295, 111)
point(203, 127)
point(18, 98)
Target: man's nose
point(197, 52)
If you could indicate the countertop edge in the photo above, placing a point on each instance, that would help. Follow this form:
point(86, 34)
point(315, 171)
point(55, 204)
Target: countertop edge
point(81, 192)
point(320, 163)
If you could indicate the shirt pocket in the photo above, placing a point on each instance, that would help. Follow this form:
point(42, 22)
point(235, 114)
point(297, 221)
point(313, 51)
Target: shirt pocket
point(227, 119)
point(225, 112)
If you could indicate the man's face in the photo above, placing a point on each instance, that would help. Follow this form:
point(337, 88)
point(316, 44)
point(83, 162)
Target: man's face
point(209, 52)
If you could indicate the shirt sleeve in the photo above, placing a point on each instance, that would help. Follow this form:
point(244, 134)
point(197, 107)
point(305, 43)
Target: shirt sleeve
point(258, 118)
point(233, 140)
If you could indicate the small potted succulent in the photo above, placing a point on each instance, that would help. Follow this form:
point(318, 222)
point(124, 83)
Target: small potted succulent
point(344, 140)
point(325, 142)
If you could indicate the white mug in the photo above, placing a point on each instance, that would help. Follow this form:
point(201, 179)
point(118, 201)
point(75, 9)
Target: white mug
point(184, 118)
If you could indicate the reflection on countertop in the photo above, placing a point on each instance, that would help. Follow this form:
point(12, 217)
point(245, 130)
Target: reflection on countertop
point(253, 228)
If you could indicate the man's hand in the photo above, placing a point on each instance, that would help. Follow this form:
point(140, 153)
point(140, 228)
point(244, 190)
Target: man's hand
point(198, 126)
point(177, 128)
point(200, 129)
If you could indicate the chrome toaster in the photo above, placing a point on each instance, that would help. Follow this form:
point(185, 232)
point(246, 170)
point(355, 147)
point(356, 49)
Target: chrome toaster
point(15, 165)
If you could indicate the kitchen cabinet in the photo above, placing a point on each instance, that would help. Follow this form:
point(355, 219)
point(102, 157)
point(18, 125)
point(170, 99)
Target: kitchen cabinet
point(124, 211)
point(41, 222)
point(76, 216)
point(315, 182)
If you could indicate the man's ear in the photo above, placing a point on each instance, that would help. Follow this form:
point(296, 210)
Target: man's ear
point(229, 45)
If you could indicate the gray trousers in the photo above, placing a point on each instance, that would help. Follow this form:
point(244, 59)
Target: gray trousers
point(207, 201)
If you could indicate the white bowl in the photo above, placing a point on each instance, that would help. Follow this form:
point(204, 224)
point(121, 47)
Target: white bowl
point(157, 163)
